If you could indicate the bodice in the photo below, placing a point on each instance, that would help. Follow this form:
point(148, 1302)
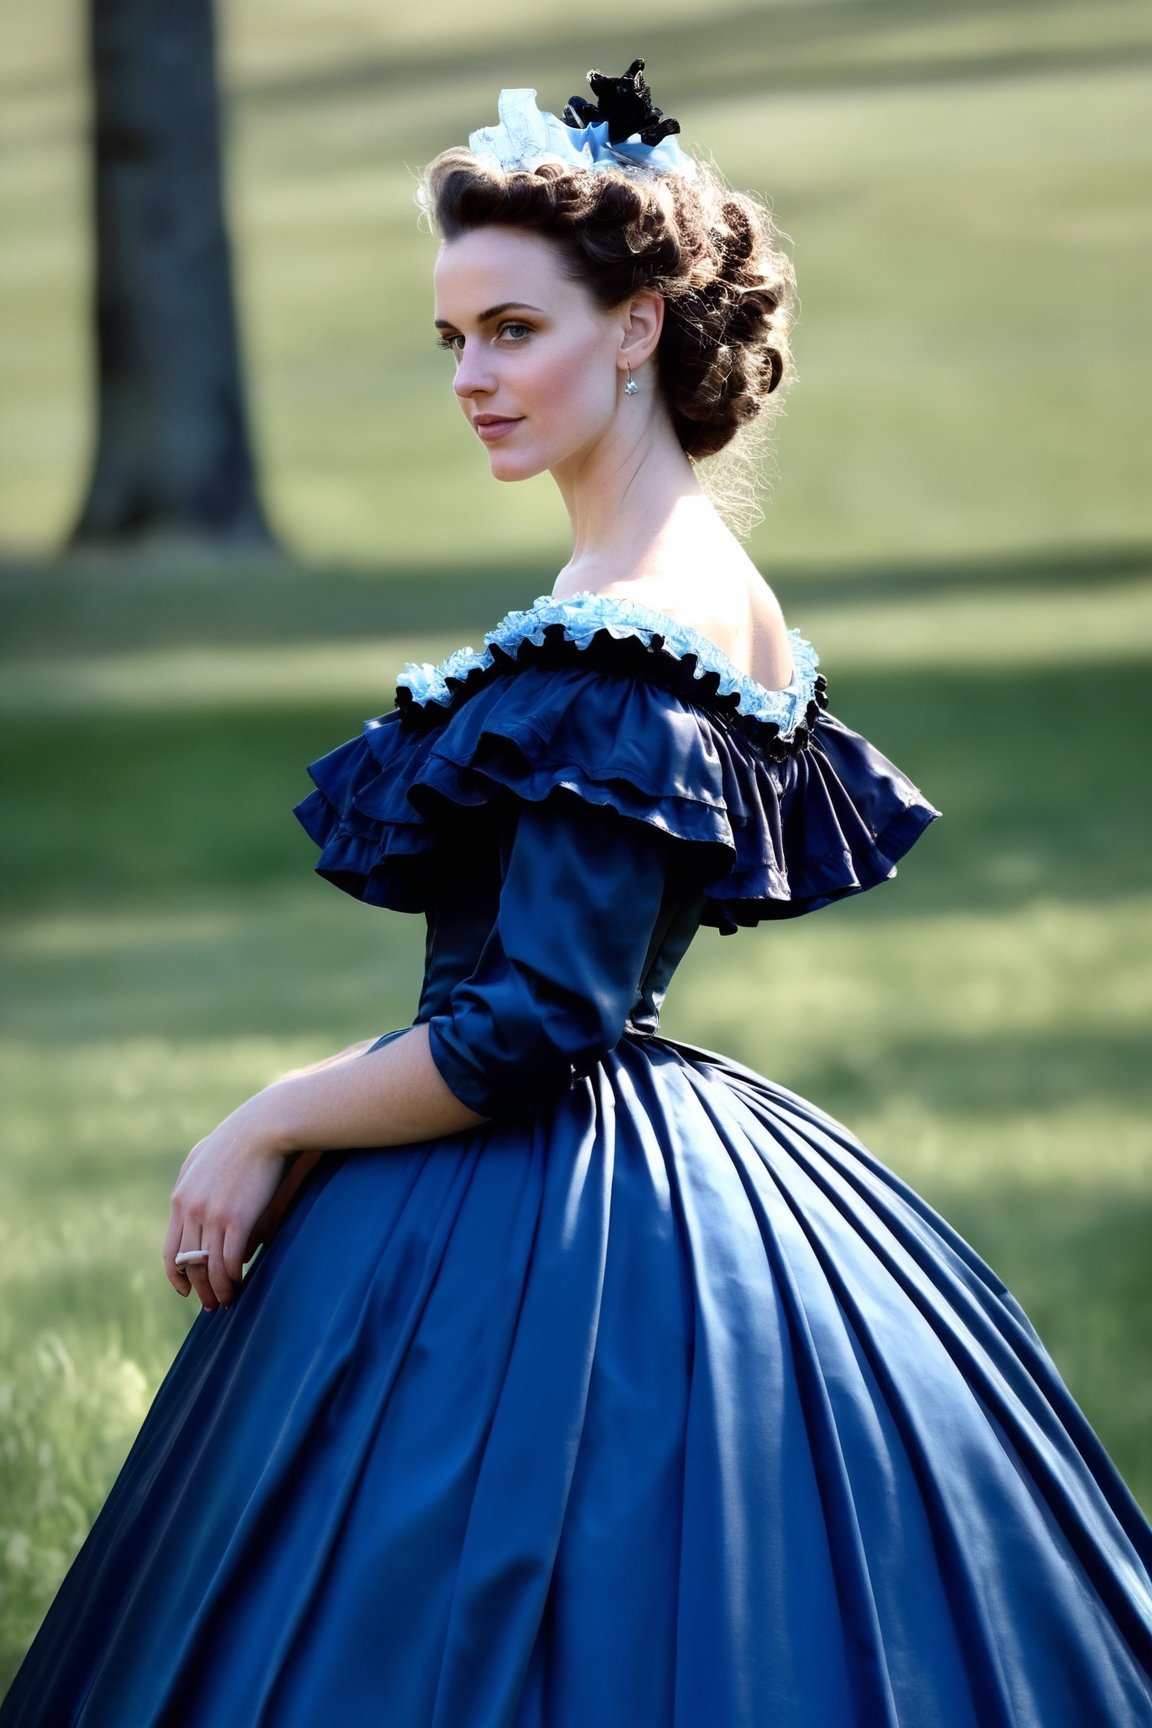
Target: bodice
point(463, 900)
point(569, 804)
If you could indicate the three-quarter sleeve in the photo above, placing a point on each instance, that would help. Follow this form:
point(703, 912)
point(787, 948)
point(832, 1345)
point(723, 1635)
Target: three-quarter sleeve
point(558, 974)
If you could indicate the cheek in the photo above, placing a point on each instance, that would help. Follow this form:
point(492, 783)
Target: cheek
point(579, 382)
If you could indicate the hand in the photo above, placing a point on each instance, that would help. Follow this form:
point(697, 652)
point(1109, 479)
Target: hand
point(224, 1189)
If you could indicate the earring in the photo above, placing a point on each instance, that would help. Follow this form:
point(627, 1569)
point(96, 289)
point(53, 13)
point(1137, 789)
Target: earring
point(631, 388)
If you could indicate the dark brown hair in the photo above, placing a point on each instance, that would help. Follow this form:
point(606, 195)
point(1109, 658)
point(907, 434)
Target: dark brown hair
point(714, 256)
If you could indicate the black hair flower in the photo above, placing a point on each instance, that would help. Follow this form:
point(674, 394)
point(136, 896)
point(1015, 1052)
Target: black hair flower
point(626, 104)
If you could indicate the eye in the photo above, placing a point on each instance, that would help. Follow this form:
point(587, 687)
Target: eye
point(453, 343)
point(514, 331)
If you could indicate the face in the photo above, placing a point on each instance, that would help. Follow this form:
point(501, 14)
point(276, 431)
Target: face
point(538, 371)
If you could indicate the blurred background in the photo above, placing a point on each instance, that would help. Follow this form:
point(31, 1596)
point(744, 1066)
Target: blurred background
point(196, 606)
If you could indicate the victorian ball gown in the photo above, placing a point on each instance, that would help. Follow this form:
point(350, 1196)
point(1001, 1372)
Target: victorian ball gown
point(654, 1401)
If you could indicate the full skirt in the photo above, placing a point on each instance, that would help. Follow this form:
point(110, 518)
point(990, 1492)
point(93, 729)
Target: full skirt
point(665, 1406)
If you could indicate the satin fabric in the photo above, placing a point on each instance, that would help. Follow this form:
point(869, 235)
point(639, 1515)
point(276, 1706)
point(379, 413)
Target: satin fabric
point(667, 1406)
point(653, 1402)
point(770, 835)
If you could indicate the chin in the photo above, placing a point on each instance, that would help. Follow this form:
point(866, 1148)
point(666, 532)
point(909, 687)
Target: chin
point(506, 466)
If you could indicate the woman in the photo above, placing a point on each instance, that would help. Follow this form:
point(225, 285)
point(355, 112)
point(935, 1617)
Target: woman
point(595, 1380)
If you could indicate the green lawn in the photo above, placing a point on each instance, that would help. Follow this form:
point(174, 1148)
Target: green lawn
point(960, 523)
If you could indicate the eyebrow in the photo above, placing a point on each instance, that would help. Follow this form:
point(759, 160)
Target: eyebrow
point(493, 312)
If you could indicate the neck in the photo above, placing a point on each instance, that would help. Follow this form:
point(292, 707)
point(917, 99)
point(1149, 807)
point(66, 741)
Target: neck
point(630, 500)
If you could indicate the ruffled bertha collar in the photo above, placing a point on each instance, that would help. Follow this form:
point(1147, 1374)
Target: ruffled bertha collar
point(582, 618)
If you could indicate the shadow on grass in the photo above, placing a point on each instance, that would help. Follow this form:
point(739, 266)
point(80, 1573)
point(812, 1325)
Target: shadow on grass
point(744, 49)
point(92, 605)
point(189, 973)
point(1004, 1073)
point(1039, 778)
point(741, 48)
point(1022, 573)
point(1078, 1263)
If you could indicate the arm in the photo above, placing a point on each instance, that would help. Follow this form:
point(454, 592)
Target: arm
point(553, 987)
point(358, 1049)
point(549, 995)
point(227, 1195)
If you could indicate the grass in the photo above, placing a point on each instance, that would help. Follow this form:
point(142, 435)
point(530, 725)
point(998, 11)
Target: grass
point(960, 524)
point(968, 189)
point(981, 1024)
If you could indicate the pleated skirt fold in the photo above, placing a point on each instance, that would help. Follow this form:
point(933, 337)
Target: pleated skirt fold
point(664, 1407)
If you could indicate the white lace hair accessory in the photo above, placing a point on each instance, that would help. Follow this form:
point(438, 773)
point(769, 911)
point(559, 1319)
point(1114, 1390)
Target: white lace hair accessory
point(527, 136)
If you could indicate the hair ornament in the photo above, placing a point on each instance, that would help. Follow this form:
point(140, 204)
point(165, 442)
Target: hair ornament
point(626, 104)
point(623, 130)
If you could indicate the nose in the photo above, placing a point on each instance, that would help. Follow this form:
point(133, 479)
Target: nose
point(473, 372)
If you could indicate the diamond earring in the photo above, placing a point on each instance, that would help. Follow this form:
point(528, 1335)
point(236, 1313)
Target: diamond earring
point(631, 388)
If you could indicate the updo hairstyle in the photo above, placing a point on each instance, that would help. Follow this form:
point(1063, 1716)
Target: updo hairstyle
point(713, 255)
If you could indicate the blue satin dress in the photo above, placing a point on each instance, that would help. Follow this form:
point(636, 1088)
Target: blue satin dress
point(655, 1401)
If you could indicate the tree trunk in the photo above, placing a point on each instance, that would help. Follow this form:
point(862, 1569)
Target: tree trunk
point(173, 453)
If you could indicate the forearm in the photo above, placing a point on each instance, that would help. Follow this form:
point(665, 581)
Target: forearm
point(348, 1055)
point(386, 1097)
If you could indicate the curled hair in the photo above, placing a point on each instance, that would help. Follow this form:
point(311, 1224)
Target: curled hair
point(713, 255)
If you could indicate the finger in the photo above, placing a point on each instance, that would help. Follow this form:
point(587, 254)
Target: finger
point(235, 1251)
point(257, 1235)
point(217, 1273)
point(175, 1274)
point(189, 1257)
point(199, 1281)
point(198, 1278)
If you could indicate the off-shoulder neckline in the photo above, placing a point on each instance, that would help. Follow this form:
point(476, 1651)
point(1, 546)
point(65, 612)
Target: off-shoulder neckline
point(582, 617)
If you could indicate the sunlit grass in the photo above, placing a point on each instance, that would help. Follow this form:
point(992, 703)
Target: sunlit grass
point(967, 191)
point(69, 1405)
point(980, 1023)
point(1106, 620)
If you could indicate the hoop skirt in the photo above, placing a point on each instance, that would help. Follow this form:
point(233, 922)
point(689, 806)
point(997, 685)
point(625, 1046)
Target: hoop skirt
point(654, 1401)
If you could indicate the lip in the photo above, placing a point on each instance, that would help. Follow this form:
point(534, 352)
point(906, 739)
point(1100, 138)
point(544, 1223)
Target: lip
point(491, 427)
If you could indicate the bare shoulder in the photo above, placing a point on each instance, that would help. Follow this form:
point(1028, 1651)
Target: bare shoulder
point(728, 602)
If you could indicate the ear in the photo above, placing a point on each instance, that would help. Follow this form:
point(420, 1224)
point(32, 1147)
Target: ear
point(643, 323)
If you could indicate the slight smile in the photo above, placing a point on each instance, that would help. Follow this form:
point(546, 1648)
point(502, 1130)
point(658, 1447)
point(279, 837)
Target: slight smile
point(489, 427)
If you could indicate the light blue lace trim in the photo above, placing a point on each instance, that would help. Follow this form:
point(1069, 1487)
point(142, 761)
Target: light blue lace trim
point(583, 616)
point(527, 136)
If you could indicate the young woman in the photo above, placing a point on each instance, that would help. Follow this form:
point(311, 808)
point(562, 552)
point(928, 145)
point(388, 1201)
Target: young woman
point(590, 1380)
